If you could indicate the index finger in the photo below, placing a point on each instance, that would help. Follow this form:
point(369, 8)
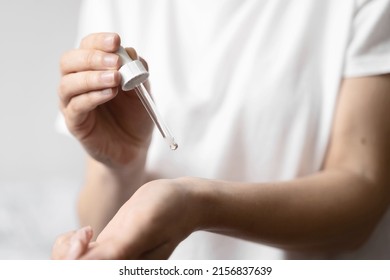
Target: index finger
point(105, 41)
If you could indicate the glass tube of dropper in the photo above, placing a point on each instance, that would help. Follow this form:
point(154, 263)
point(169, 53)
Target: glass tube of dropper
point(151, 108)
point(133, 74)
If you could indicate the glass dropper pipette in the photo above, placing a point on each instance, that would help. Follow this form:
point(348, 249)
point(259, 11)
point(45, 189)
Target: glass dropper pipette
point(133, 75)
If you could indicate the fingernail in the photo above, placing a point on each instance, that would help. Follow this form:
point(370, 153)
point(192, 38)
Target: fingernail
point(89, 232)
point(107, 91)
point(82, 232)
point(75, 249)
point(107, 77)
point(109, 40)
point(110, 60)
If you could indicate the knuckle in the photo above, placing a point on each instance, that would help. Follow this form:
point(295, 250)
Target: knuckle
point(90, 58)
point(88, 81)
point(75, 107)
point(81, 104)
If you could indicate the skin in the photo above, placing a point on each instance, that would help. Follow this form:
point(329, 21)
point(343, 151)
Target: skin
point(332, 210)
point(112, 126)
point(74, 244)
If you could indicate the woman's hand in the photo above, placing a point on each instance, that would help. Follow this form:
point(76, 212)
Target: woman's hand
point(112, 125)
point(149, 225)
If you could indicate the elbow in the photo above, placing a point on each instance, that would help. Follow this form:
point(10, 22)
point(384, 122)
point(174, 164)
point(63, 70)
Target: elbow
point(373, 207)
point(341, 244)
point(355, 239)
point(355, 243)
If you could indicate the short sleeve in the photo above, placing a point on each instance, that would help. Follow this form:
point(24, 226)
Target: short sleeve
point(368, 51)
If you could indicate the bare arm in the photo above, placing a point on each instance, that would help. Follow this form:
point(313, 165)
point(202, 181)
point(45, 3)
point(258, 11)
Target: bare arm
point(106, 190)
point(335, 208)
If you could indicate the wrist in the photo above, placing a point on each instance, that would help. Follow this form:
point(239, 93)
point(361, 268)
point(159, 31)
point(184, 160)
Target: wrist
point(126, 176)
point(201, 202)
point(130, 160)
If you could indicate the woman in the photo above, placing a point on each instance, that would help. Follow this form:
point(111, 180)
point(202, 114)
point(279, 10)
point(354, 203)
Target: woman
point(280, 112)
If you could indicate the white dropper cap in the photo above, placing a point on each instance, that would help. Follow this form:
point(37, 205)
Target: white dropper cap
point(132, 71)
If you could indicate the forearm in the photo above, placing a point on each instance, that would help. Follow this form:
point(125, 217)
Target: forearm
point(106, 189)
point(326, 211)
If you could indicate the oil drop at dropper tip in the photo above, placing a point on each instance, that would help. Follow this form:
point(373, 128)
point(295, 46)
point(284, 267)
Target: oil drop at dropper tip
point(173, 146)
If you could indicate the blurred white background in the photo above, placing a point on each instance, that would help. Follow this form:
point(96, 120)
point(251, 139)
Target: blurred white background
point(40, 169)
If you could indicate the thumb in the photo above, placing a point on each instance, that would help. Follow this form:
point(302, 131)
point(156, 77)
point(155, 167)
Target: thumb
point(73, 244)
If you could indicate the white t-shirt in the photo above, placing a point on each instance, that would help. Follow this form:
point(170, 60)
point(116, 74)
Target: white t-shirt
point(248, 89)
